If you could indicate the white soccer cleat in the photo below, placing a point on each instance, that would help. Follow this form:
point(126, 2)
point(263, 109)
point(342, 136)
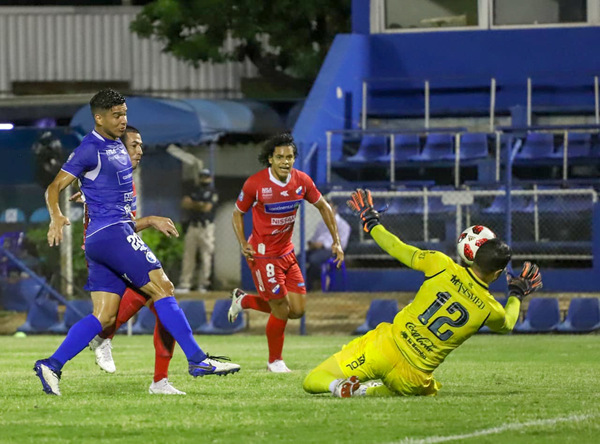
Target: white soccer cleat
point(345, 388)
point(49, 376)
point(236, 304)
point(164, 387)
point(277, 366)
point(104, 357)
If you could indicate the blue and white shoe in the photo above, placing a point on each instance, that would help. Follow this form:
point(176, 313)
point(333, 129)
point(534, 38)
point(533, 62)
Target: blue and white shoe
point(213, 365)
point(48, 375)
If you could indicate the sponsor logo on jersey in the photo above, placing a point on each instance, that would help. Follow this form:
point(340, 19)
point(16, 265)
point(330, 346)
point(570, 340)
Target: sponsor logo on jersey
point(241, 196)
point(299, 190)
point(261, 249)
point(150, 257)
point(353, 365)
point(284, 193)
point(128, 197)
point(283, 220)
point(276, 289)
point(125, 176)
point(272, 280)
point(267, 192)
point(282, 207)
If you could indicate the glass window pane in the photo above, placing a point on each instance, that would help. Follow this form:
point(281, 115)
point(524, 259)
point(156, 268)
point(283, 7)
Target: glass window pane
point(538, 12)
point(406, 14)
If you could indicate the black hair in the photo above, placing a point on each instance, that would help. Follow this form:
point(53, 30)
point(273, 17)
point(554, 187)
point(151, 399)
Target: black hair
point(283, 139)
point(105, 99)
point(492, 256)
point(129, 129)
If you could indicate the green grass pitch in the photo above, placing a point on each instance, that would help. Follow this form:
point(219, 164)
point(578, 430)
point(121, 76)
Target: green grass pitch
point(496, 389)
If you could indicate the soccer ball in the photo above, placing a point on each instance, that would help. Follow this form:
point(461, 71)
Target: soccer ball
point(470, 240)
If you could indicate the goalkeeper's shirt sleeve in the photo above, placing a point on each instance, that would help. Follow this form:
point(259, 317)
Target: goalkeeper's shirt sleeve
point(394, 246)
point(512, 309)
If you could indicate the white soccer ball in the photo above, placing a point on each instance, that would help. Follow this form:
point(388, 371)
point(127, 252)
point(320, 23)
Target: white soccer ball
point(470, 240)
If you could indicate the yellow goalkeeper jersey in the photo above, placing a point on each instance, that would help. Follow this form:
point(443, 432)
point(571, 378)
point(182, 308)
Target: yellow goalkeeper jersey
point(451, 305)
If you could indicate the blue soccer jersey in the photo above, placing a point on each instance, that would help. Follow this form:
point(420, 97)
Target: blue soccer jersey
point(104, 170)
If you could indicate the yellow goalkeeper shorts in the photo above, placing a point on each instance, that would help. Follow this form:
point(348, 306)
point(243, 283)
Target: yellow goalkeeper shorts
point(376, 356)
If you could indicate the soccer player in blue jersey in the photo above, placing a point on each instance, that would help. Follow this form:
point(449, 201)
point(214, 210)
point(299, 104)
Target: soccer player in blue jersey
point(117, 257)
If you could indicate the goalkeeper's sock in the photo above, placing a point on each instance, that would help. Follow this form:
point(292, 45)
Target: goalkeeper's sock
point(131, 303)
point(275, 335)
point(174, 320)
point(78, 337)
point(255, 303)
point(164, 344)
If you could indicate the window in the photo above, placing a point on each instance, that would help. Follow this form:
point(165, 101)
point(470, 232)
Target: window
point(407, 14)
point(538, 12)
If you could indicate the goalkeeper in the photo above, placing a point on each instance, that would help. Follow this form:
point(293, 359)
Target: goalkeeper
point(453, 303)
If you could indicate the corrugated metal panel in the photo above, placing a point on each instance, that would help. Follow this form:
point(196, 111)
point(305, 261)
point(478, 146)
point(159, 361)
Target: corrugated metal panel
point(83, 44)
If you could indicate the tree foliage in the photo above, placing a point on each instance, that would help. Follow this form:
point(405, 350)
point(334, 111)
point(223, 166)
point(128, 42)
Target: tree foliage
point(284, 38)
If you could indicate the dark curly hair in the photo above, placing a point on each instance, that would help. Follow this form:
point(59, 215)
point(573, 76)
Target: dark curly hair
point(283, 139)
point(105, 99)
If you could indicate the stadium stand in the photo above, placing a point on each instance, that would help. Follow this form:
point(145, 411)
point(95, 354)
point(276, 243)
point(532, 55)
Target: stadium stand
point(219, 324)
point(371, 149)
point(381, 310)
point(12, 215)
point(333, 279)
point(195, 312)
point(543, 316)
point(74, 311)
point(145, 322)
point(405, 147)
point(42, 314)
point(583, 316)
point(39, 215)
point(485, 329)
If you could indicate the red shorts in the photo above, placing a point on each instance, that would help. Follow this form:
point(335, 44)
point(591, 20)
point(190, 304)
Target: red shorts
point(274, 277)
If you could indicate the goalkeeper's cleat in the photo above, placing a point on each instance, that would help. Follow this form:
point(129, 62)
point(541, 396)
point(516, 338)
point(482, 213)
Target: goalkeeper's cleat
point(213, 365)
point(345, 388)
point(48, 375)
point(104, 357)
point(278, 366)
point(163, 387)
point(236, 304)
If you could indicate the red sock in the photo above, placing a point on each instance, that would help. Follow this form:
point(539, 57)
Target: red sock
point(131, 303)
point(275, 335)
point(164, 344)
point(256, 303)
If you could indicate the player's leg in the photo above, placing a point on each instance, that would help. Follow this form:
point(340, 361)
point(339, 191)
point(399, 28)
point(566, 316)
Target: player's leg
point(207, 248)
point(188, 261)
point(322, 377)
point(131, 303)
point(164, 344)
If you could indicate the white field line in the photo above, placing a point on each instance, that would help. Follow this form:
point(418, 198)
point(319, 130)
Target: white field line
point(500, 429)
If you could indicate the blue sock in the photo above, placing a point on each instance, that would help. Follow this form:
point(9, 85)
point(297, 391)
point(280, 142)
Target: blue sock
point(77, 339)
point(172, 317)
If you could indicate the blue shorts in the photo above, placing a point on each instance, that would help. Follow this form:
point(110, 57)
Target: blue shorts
point(117, 258)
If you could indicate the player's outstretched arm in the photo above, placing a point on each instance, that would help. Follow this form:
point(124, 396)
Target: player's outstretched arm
point(163, 224)
point(57, 219)
point(361, 203)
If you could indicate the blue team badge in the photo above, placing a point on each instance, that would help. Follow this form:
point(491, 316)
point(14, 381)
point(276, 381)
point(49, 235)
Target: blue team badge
point(150, 257)
point(299, 190)
point(276, 289)
point(241, 196)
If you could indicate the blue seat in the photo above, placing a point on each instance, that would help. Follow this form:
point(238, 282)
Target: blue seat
point(18, 296)
point(564, 203)
point(219, 324)
point(580, 145)
point(543, 315)
point(583, 316)
point(12, 215)
point(42, 314)
point(473, 146)
point(371, 149)
point(405, 147)
point(12, 242)
point(145, 322)
point(518, 204)
point(74, 312)
point(380, 310)
point(194, 312)
point(40, 215)
point(485, 328)
point(332, 278)
point(437, 147)
point(537, 146)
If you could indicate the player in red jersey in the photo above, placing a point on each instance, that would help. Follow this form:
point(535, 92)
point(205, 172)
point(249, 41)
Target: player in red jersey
point(132, 301)
point(274, 194)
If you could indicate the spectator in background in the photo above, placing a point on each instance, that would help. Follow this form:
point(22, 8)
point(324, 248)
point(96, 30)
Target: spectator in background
point(319, 248)
point(199, 203)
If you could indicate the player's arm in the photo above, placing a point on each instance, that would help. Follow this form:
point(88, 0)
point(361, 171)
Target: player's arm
point(519, 287)
point(52, 195)
point(163, 224)
point(237, 221)
point(329, 218)
point(361, 203)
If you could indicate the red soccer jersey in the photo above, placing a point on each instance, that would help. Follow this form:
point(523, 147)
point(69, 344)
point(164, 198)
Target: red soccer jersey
point(274, 206)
